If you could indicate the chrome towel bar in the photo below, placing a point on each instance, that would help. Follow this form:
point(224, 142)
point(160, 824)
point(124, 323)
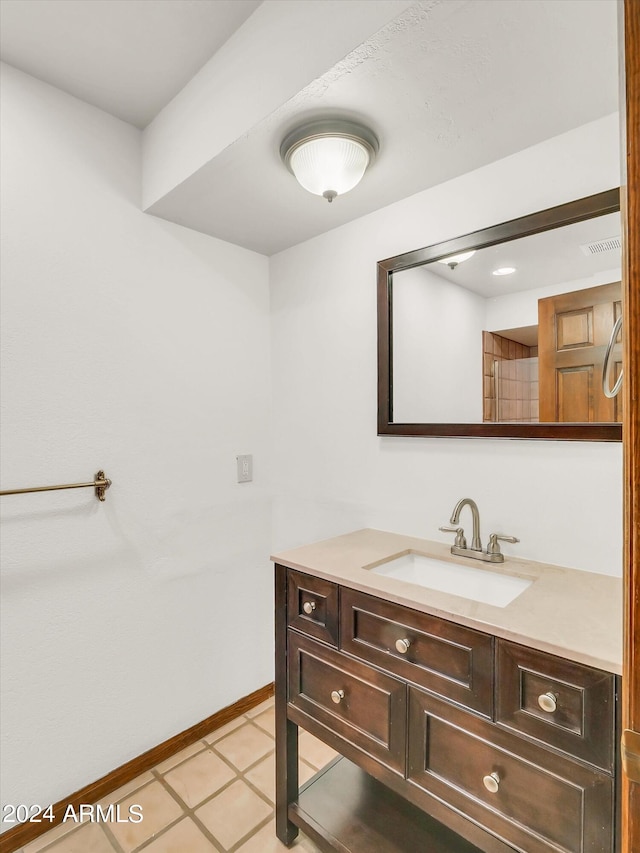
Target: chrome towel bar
point(100, 484)
point(607, 390)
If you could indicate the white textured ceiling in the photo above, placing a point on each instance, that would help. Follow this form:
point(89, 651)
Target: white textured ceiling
point(540, 260)
point(447, 85)
point(128, 57)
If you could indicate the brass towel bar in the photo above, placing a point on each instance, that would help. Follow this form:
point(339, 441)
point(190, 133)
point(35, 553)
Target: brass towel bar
point(100, 484)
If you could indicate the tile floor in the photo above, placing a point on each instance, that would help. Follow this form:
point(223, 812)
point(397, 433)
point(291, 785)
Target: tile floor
point(216, 796)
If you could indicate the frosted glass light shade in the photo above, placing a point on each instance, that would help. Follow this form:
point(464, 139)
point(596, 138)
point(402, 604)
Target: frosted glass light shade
point(457, 259)
point(328, 158)
point(329, 164)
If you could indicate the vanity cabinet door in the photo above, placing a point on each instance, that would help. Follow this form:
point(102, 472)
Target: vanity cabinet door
point(361, 705)
point(535, 799)
point(454, 661)
point(564, 704)
point(312, 606)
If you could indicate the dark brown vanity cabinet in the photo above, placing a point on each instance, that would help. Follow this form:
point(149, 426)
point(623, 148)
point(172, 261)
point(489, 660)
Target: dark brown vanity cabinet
point(468, 742)
point(448, 659)
point(359, 704)
point(557, 702)
point(533, 798)
point(312, 606)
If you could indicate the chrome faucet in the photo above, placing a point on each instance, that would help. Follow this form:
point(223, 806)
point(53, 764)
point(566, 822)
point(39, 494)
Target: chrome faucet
point(476, 544)
point(493, 553)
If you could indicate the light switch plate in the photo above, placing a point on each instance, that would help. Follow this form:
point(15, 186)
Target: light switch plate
point(245, 468)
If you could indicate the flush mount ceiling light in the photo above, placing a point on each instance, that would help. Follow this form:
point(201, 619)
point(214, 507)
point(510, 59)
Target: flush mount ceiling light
point(504, 271)
point(329, 158)
point(453, 260)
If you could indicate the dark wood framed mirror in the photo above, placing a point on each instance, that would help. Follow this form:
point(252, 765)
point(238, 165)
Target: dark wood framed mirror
point(503, 332)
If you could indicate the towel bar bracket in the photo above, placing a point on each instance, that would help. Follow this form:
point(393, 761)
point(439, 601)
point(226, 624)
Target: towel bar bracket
point(101, 485)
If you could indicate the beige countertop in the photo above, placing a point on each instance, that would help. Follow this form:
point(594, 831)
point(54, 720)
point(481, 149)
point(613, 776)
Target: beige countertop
point(567, 612)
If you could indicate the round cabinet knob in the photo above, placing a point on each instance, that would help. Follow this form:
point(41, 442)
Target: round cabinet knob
point(403, 646)
point(337, 696)
point(548, 702)
point(491, 782)
point(309, 607)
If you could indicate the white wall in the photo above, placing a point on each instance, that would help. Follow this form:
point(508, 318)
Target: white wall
point(136, 345)
point(332, 473)
point(132, 344)
point(433, 318)
point(514, 310)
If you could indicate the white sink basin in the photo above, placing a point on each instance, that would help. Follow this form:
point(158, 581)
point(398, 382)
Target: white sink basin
point(477, 584)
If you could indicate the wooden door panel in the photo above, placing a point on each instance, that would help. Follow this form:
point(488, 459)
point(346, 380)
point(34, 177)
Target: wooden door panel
point(618, 402)
point(575, 329)
point(573, 333)
point(574, 394)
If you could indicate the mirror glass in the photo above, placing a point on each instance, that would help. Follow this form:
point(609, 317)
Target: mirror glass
point(510, 335)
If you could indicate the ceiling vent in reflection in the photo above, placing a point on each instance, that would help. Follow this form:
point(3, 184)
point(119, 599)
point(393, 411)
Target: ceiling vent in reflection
point(599, 247)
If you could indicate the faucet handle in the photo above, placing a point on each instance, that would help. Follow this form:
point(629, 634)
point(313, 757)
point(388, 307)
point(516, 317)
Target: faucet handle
point(493, 547)
point(460, 542)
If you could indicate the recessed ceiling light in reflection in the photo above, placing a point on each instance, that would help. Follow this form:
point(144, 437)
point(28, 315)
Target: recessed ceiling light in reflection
point(453, 260)
point(504, 271)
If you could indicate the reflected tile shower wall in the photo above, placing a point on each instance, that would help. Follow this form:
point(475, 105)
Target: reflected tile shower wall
point(510, 380)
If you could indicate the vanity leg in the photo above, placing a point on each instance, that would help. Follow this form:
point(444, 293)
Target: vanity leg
point(286, 731)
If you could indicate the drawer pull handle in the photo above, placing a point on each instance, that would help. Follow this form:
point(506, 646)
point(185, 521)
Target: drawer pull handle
point(491, 782)
point(309, 607)
point(403, 646)
point(548, 702)
point(337, 696)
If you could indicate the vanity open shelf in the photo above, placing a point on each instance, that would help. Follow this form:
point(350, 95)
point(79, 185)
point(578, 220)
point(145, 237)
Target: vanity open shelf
point(346, 808)
point(451, 738)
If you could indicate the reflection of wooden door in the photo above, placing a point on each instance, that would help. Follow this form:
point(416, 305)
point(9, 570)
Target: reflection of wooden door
point(573, 333)
point(631, 428)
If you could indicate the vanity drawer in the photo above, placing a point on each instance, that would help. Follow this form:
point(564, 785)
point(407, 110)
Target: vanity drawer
point(312, 606)
point(361, 705)
point(454, 661)
point(535, 799)
point(561, 703)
